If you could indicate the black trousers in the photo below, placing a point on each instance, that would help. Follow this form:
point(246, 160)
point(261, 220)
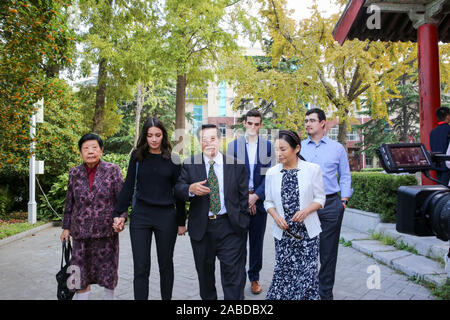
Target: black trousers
point(331, 220)
point(222, 242)
point(144, 222)
point(256, 233)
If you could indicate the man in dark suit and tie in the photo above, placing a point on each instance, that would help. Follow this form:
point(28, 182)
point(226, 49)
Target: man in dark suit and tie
point(257, 154)
point(217, 188)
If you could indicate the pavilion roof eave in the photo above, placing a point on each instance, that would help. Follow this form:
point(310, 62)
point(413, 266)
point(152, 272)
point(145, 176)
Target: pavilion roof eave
point(395, 24)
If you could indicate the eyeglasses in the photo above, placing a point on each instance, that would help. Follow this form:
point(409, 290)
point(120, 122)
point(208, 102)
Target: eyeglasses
point(310, 120)
point(296, 236)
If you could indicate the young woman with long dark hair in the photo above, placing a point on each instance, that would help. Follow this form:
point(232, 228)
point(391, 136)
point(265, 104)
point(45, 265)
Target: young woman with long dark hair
point(155, 210)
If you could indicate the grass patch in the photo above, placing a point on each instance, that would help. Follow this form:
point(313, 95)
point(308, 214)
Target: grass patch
point(404, 246)
point(441, 293)
point(386, 240)
point(345, 243)
point(14, 226)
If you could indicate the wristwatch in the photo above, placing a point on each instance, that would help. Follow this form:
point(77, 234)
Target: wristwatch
point(345, 202)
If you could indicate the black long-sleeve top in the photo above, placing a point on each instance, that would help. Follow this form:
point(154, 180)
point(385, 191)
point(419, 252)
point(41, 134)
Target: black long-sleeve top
point(156, 180)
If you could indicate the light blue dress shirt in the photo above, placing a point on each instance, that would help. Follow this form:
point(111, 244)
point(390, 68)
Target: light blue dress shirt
point(333, 161)
point(252, 149)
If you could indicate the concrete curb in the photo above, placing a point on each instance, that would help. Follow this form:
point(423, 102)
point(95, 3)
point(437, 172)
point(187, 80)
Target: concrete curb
point(408, 263)
point(368, 222)
point(362, 221)
point(425, 246)
point(357, 225)
point(28, 233)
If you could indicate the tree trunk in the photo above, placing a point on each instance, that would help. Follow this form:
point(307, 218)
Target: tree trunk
point(139, 103)
point(404, 137)
point(100, 98)
point(180, 122)
point(342, 135)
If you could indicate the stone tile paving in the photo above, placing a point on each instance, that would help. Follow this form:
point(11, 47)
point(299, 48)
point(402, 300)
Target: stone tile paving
point(28, 267)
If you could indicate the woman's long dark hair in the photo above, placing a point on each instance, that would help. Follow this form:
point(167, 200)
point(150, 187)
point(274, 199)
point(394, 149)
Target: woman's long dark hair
point(292, 138)
point(142, 148)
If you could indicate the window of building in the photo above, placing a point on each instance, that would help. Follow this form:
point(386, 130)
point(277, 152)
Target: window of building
point(223, 129)
point(222, 99)
point(369, 162)
point(333, 133)
point(353, 136)
point(198, 117)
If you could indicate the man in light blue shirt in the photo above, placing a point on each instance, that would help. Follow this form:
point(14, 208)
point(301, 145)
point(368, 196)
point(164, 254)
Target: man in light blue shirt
point(333, 160)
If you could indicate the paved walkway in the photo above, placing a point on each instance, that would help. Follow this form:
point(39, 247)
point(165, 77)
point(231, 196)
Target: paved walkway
point(28, 267)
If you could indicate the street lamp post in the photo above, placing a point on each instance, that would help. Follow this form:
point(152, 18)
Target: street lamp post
point(32, 205)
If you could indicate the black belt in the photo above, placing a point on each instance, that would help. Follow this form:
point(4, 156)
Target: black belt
point(329, 196)
point(218, 216)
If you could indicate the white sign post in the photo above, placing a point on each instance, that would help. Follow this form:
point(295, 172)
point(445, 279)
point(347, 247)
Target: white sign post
point(32, 206)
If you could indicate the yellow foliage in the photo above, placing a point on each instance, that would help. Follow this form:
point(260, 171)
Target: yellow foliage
point(331, 76)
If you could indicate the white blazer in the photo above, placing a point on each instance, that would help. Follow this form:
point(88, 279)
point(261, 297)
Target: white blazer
point(311, 189)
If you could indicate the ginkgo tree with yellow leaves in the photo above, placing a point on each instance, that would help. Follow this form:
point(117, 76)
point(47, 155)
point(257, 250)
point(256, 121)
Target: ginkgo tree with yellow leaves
point(329, 76)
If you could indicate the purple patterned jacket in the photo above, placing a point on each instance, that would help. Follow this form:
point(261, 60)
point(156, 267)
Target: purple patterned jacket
point(88, 213)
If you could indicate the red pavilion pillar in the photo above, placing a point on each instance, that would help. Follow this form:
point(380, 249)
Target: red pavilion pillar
point(429, 84)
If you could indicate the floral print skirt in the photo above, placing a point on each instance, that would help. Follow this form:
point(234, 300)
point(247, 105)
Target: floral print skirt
point(296, 272)
point(98, 261)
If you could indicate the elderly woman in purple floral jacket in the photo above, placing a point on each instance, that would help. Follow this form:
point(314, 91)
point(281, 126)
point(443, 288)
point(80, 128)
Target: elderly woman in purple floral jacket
point(92, 193)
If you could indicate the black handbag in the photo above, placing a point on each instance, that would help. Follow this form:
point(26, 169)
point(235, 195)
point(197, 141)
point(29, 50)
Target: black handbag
point(63, 292)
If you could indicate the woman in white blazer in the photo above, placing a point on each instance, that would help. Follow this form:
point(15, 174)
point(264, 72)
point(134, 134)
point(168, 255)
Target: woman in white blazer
point(294, 193)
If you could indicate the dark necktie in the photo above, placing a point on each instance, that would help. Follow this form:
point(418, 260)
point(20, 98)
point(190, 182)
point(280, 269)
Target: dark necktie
point(214, 196)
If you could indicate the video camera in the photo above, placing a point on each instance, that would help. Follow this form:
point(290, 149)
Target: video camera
point(421, 210)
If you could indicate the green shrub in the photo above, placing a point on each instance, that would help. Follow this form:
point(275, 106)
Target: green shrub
point(372, 170)
point(57, 198)
point(6, 201)
point(121, 160)
point(377, 192)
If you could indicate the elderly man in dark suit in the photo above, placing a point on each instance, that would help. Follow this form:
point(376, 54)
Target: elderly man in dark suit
point(217, 188)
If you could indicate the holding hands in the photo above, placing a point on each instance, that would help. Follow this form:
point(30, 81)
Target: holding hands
point(119, 224)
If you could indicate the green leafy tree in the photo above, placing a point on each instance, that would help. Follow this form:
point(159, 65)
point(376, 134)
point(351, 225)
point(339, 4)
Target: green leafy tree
point(265, 64)
point(56, 142)
point(34, 36)
point(329, 75)
point(159, 103)
point(195, 34)
point(404, 110)
point(111, 41)
point(375, 132)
